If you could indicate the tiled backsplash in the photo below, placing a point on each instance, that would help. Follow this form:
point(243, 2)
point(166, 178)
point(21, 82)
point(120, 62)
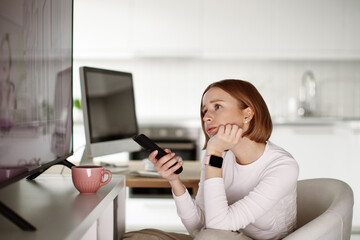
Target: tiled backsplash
point(172, 88)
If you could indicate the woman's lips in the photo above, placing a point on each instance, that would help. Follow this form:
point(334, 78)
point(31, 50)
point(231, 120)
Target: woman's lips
point(211, 130)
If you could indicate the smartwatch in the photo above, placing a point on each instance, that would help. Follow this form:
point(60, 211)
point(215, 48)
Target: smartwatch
point(214, 161)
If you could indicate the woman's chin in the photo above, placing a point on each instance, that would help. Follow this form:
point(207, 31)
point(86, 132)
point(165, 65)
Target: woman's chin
point(210, 135)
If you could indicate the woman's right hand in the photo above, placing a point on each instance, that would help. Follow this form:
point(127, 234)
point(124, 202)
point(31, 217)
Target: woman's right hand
point(164, 166)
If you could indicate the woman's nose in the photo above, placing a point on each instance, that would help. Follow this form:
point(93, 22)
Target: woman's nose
point(207, 117)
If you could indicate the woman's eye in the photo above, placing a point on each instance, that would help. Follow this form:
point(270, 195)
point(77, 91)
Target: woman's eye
point(217, 106)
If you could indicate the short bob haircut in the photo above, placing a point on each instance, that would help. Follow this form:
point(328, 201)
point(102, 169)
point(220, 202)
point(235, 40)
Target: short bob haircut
point(260, 126)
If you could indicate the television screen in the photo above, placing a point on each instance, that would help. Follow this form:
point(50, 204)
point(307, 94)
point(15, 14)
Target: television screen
point(35, 86)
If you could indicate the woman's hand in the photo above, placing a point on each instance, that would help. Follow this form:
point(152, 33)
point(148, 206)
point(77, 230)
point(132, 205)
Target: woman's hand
point(167, 165)
point(225, 139)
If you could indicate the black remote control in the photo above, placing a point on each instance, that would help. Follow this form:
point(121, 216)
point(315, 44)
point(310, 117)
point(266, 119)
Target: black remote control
point(150, 146)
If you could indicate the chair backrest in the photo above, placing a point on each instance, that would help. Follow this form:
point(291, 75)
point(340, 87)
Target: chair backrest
point(324, 210)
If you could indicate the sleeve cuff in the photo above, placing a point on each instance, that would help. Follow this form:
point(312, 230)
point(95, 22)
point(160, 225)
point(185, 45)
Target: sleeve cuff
point(182, 196)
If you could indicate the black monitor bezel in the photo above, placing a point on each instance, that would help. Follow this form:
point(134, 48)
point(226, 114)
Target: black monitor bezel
point(88, 108)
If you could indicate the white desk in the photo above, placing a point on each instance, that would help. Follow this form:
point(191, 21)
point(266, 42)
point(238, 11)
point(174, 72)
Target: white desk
point(58, 211)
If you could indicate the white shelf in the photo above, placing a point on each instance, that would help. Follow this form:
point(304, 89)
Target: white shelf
point(57, 210)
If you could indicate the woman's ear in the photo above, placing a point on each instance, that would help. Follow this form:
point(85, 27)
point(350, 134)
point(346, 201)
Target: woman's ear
point(248, 114)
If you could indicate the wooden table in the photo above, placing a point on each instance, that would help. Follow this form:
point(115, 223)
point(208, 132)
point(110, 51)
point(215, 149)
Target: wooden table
point(190, 176)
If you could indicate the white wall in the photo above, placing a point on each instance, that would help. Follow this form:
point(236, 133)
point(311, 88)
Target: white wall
point(172, 88)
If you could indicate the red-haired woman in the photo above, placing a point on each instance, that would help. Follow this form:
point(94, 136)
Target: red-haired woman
point(247, 188)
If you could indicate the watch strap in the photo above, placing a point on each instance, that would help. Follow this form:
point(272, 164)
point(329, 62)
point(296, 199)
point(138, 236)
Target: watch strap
point(207, 160)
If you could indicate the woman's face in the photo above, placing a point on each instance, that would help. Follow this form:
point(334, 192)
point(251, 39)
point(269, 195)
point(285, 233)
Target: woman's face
point(4, 61)
point(220, 108)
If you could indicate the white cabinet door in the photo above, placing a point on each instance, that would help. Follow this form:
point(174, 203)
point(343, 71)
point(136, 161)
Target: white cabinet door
point(324, 152)
point(320, 150)
point(238, 28)
point(261, 29)
point(102, 29)
point(282, 29)
point(309, 28)
point(166, 28)
point(351, 26)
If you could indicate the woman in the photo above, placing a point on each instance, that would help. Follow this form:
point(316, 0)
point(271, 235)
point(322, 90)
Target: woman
point(247, 188)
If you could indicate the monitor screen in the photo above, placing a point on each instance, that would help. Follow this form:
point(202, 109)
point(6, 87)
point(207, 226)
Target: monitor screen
point(109, 111)
point(35, 86)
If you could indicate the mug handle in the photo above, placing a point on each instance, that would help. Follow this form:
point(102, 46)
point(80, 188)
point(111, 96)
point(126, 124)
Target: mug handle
point(103, 172)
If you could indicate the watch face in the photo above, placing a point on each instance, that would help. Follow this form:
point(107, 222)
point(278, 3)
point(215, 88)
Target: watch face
point(216, 161)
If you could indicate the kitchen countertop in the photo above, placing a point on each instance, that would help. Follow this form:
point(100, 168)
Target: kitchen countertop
point(277, 121)
point(317, 121)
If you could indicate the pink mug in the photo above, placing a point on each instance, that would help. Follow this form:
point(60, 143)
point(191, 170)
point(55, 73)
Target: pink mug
point(88, 179)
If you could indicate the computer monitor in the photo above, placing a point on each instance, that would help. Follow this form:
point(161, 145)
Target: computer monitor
point(109, 112)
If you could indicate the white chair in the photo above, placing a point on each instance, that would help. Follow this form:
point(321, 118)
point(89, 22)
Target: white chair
point(324, 210)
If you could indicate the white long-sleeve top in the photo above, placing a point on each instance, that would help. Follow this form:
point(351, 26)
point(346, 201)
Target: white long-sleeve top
point(258, 198)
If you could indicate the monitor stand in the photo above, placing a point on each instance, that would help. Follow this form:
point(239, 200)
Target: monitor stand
point(17, 219)
point(87, 158)
point(63, 162)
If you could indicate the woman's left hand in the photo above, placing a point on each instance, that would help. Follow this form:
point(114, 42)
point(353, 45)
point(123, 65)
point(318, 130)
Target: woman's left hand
point(226, 138)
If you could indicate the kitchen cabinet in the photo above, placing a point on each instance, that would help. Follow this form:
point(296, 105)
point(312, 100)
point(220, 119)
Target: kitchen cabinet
point(351, 28)
point(102, 29)
point(324, 151)
point(166, 28)
point(218, 29)
point(238, 29)
point(282, 29)
point(135, 28)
